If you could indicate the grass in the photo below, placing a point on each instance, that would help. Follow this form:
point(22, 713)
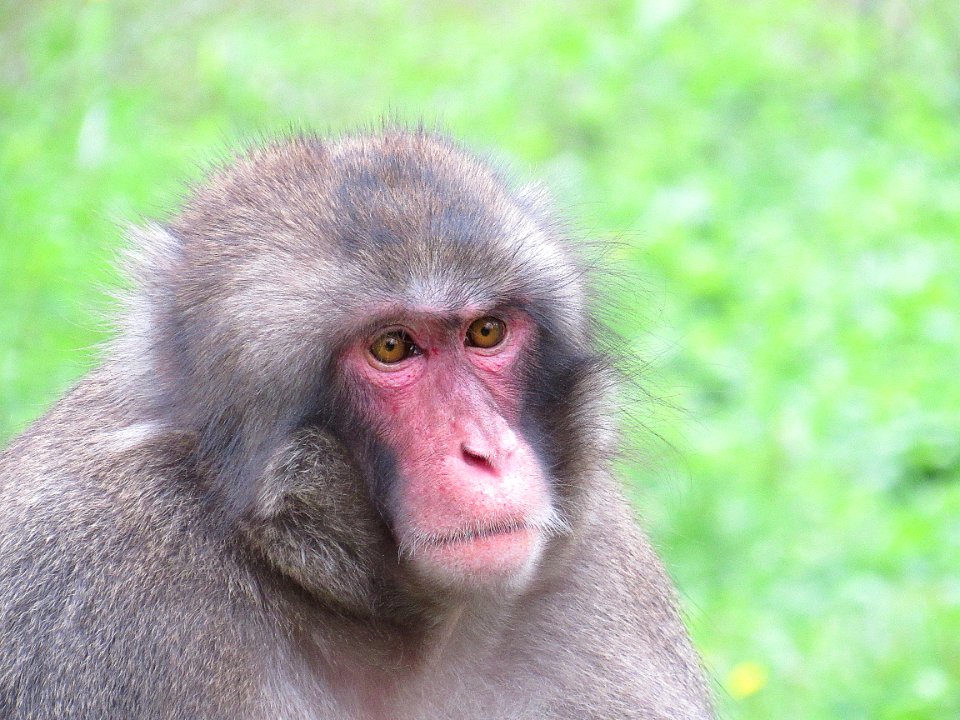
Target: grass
point(781, 178)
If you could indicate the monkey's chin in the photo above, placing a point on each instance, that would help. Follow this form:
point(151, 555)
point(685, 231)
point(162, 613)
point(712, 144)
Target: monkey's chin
point(498, 561)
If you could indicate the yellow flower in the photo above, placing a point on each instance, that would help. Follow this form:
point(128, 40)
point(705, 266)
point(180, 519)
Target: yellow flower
point(746, 678)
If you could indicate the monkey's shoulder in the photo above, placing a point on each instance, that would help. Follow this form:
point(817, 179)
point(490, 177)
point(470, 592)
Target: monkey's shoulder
point(114, 601)
point(108, 622)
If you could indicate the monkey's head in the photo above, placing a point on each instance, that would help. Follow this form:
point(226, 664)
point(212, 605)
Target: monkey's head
point(385, 356)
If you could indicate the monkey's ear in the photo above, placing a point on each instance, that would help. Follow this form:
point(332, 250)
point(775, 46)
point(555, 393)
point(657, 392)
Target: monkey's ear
point(147, 264)
point(149, 256)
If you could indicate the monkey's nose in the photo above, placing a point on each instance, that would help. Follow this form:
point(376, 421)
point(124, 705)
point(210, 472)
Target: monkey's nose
point(476, 456)
point(492, 453)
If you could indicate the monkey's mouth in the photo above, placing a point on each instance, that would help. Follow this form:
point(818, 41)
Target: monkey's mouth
point(467, 535)
point(464, 535)
point(487, 552)
point(497, 549)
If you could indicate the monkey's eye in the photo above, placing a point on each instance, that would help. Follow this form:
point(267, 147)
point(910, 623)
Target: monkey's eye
point(486, 332)
point(393, 346)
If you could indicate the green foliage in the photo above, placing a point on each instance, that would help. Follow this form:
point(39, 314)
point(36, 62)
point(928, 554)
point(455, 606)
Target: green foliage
point(783, 181)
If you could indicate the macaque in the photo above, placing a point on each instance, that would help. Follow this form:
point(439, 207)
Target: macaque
point(348, 456)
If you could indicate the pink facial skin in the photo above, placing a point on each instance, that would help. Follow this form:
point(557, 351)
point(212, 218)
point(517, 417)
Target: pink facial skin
point(471, 500)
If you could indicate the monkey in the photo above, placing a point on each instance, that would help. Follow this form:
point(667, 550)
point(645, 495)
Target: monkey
point(348, 455)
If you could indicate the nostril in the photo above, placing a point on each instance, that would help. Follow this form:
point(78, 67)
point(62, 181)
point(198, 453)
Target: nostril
point(475, 458)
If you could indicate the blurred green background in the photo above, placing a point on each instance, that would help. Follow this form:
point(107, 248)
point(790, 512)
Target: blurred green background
point(782, 179)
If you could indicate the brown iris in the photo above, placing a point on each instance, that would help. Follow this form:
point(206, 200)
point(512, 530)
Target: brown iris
point(392, 347)
point(486, 332)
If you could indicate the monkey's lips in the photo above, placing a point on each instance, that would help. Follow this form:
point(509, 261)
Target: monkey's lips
point(500, 549)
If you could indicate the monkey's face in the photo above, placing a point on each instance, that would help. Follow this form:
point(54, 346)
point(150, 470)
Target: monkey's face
point(394, 293)
point(469, 501)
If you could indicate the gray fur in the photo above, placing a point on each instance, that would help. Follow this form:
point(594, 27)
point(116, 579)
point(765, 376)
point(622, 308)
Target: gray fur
point(187, 534)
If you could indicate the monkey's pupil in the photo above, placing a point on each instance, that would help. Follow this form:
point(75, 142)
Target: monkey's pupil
point(486, 329)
